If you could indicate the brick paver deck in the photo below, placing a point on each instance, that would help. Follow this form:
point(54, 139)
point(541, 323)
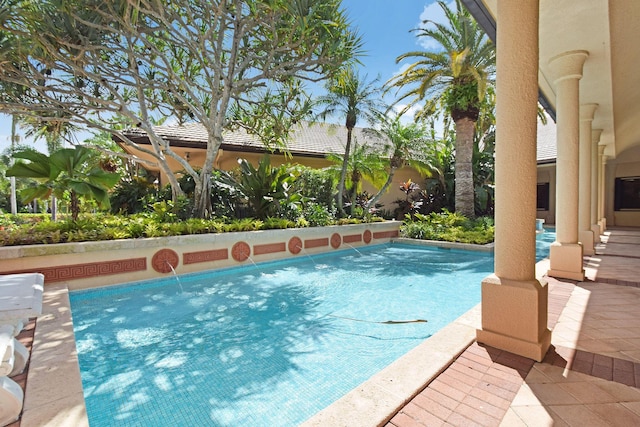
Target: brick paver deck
point(485, 386)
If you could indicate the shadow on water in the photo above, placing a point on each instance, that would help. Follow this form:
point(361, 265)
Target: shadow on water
point(221, 344)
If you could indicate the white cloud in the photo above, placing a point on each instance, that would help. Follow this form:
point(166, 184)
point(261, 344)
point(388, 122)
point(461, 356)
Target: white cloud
point(432, 12)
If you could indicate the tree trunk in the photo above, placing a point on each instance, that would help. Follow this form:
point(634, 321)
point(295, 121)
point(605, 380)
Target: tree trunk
point(354, 195)
point(75, 206)
point(372, 202)
point(343, 171)
point(202, 196)
point(14, 199)
point(464, 193)
point(54, 208)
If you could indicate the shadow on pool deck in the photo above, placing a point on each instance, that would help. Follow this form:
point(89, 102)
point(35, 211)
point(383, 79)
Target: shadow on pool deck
point(590, 376)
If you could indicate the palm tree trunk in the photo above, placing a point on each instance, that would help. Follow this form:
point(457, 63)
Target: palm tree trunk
point(75, 206)
point(343, 171)
point(464, 194)
point(382, 190)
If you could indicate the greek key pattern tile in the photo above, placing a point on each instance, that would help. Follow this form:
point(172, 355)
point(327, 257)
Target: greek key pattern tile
point(81, 271)
point(316, 243)
point(352, 238)
point(205, 256)
point(385, 234)
point(269, 248)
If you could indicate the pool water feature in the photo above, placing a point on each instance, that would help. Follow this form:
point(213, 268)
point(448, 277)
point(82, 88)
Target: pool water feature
point(265, 345)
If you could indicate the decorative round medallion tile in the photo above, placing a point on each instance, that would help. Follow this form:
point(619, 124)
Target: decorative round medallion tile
point(367, 236)
point(295, 245)
point(241, 251)
point(336, 240)
point(165, 261)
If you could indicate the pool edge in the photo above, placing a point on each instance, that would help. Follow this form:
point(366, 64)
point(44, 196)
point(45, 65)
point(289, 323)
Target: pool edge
point(375, 401)
point(54, 394)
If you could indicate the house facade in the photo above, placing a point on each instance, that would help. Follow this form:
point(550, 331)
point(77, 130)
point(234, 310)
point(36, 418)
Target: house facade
point(308, 145)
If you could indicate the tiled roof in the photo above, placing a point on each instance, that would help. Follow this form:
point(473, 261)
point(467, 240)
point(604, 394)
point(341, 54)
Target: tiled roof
point(312, 139)
point(547, 147)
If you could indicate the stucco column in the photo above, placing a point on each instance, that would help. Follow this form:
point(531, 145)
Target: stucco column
point(595, 181)
point(602, 160)
point(514, 303)
point(585, 235)
point(565, 254)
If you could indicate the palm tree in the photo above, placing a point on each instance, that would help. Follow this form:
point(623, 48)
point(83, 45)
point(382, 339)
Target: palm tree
point(456, 77)
point(363, 162)
point(65, 170)
point(55, 129)
point(402, 145)
point(353, 97)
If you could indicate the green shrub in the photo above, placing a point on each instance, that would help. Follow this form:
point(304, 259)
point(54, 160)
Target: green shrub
point(317, 215)
point(277, 223)
point(449, 227)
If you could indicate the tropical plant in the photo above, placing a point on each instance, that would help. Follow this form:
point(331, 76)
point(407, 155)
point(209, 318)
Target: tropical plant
point(64, 171)
point(439, 187)
point(455, 76)
point(224, 64)
point(267, 189)
point(363, 162)
point(412, 202)
point(402, 145)
point(447, 226)
point(316, 186)
point(353, 97)
point(131, 196)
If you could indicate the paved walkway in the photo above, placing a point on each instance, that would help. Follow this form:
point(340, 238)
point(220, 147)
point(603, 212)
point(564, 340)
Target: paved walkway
point(590, 376)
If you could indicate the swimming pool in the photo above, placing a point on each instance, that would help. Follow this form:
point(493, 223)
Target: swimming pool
point(270, 344)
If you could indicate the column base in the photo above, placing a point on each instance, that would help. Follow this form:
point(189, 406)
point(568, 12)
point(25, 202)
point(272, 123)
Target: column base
point(595, 229)
point(565, 261)
point(586, 238)
point(514, 316)
point(602, 222)
point(530, 350)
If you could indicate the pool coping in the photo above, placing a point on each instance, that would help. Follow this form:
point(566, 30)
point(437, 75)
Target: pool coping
point(54, 367)
point(376, 400)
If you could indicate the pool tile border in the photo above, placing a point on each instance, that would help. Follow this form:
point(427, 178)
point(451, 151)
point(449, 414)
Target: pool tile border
point(118, 261)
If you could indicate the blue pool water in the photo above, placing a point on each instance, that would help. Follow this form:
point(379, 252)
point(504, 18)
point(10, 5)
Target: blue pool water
point(265, 345)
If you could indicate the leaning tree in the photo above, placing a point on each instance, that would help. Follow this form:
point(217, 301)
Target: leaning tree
point(226, 64)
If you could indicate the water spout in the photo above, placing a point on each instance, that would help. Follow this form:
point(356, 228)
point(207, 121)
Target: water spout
point(255, 265)
point(307, 254)
point(359, 253)
point(176, 276)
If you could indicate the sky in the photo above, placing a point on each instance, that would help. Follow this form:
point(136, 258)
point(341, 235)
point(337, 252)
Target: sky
point(384, 25)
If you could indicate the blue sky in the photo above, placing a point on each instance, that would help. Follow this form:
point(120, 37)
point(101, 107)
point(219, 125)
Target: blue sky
point(384, 25)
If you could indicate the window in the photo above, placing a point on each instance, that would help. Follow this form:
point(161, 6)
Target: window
point(627, 193)
point(543, 196)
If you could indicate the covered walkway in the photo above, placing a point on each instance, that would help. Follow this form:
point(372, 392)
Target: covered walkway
point(590, 376)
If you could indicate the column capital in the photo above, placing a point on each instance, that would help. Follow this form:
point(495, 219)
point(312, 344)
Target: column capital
point(595, 136)
point(587, 111)
point(601, 150)
point(568, 65)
